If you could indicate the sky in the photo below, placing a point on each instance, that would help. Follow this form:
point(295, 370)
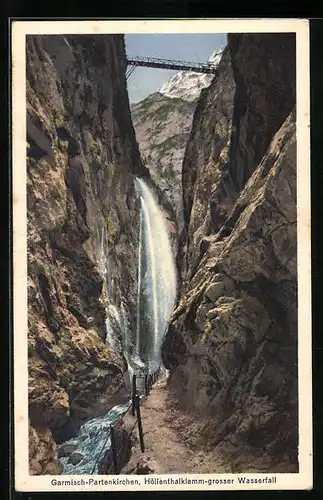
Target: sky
point(192, 47)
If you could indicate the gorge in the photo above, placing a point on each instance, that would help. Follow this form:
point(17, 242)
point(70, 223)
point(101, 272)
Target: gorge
point(124, 274)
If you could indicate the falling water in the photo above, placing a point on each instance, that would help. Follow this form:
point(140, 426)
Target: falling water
point(113, 320)
point(113, 326)
point(139, 283)
point(156, 279)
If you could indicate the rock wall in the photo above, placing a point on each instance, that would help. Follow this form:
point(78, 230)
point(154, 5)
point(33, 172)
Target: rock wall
point(82, 227)
point(231, 346)
point(205, 165)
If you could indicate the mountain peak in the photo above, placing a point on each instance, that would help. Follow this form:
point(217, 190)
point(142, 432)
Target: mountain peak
point(188, 84)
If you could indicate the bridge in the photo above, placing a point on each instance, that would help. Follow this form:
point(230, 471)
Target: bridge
point(153, 62)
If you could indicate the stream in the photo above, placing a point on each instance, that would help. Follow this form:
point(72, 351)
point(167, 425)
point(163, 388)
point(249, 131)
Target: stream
point(92, 441)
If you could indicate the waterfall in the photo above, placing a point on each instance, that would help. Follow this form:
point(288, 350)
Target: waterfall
point(113, 326)
point(139, 283)
point(156, 298)
point(113, 320)
point(156, 289)
point(156, 279)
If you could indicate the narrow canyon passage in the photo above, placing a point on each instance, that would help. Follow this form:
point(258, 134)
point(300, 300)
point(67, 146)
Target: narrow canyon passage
point(182, 253)
point(165, 450)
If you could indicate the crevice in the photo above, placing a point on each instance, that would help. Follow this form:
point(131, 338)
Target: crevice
point(44, 288)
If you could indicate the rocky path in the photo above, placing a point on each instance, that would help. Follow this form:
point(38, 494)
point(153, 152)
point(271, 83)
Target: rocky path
point(165, 450)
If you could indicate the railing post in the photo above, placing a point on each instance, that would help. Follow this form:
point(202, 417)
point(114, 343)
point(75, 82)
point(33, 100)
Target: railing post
point(114, 449)
point(146, 385)
point(141, 436)
point(134, 391)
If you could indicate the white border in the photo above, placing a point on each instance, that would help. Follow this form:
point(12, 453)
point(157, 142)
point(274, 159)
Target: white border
point(24, 482)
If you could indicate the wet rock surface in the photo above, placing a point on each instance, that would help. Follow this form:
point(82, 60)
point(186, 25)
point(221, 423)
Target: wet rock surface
point(205, 167)
point(231, 347)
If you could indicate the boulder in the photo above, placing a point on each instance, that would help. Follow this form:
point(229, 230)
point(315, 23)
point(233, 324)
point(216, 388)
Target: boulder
point(66, 449)
point(214, 291)
point(75, 458)
point(43, 458)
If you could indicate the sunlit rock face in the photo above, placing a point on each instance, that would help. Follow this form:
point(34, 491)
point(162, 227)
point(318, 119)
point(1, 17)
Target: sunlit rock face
point(231, 346)
point(83, 224)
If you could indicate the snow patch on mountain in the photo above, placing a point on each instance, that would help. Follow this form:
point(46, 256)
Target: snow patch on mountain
point(187, 85)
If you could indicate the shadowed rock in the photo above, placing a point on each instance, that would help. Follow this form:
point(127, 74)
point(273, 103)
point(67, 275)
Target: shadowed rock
point(75, 180)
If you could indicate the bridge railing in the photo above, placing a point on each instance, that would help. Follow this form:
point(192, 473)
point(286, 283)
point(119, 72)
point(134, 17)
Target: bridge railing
point(154, 62)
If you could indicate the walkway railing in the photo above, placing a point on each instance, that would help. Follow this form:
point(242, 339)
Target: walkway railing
point(116, 451)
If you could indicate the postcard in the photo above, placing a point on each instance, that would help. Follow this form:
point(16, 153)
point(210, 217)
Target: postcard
point(161, 255)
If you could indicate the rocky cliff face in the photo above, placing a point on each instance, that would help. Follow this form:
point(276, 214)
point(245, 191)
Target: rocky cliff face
point(162, 126)
point(232, 341)
point(82, 228)
point(205, 165)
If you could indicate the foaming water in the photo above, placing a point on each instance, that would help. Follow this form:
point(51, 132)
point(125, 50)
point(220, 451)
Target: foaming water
point(92, 442)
